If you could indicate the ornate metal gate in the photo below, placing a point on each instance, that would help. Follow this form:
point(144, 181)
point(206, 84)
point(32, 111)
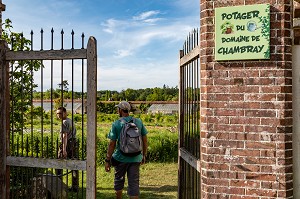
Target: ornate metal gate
point(32, 135)
point(189, 119)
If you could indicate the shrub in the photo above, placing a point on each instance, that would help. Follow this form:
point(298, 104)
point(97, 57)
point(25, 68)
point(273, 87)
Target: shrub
point(162, 147)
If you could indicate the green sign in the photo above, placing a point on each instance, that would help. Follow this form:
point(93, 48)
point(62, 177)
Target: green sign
point(242, 32)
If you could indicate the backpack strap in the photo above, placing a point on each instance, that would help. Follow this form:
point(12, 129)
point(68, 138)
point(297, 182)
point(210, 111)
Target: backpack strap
point(124, 121)
point(133, 120)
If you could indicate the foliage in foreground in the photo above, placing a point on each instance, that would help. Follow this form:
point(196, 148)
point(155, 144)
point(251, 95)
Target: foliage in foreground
point(21, 76)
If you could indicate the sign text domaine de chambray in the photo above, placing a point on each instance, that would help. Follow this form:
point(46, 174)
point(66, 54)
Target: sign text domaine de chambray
point(242, 32)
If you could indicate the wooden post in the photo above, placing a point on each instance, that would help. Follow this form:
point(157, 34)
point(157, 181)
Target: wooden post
point(180, 133)
point(2, 8)
point(4, 121)
point(91, 118)
point(4, 116)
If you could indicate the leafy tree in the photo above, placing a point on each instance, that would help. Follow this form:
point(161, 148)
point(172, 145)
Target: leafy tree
point(21, 77)
point(64, 85)
point(115, 96)
point(55, 94)
point(37, 112)
point(148, 94)
point(143, 94)
point(130, 94)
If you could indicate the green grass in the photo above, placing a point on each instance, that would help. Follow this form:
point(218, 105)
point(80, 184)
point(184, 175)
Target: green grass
point(157, 180)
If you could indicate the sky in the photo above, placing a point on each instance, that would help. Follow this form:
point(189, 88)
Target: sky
point(138, 41)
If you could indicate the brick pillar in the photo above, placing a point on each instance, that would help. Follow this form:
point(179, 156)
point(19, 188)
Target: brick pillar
point(246, 112)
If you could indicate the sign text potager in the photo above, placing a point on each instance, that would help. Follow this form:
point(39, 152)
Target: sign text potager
point(243, 32)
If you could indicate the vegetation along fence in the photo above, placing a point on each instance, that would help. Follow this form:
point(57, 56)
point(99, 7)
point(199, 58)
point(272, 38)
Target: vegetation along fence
point(189, 117)
point(33, 134)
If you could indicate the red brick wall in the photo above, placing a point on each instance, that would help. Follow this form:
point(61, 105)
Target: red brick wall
point(246, 113)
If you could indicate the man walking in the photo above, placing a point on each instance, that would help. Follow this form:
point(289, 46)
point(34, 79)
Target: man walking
point(68, 146)
point(122, 162)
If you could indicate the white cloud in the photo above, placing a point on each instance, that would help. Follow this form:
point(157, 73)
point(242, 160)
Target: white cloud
point(122, 53)
point(152, 21)
point(128, 38)
point(109, 25)
point(116, 26)
point(145, 15)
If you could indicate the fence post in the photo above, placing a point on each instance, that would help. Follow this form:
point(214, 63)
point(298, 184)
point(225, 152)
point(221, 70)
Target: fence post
point(181, 130)
point(4, 121)
point(4, 116)
point(91, 118)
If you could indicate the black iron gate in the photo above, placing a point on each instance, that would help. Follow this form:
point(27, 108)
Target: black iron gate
point(189, 119)
point(39, 82)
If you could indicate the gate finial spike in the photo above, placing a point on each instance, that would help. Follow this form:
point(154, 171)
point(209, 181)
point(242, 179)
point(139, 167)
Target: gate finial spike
point(72, 33)
point(82, 41)
point(31, 39)
point(52, 32)
point(62, 39)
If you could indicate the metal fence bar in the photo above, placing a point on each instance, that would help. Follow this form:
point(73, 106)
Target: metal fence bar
point(82, 101)
point(198, 105)
point(31, 96)
point(189, 117)
point(193, 118)
point(12, 122)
